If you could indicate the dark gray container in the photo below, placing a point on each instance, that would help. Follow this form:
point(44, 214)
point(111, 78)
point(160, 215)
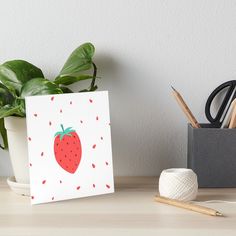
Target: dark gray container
point(212, 156)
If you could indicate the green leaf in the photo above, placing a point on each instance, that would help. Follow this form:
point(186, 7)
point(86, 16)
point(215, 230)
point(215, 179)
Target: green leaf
point(9, 110)
point(14, 74)
point(3, 133)
point(39, 86)
point(67, 80)
point(21, 104)
point(79, 60)
point(89, 90)
point(5, 96)
point(66, 90)
point(93, 88)
point(17, 108)
point(84, 90)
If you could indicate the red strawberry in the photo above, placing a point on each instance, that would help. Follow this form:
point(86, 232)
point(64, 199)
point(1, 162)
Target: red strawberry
point(67, 149)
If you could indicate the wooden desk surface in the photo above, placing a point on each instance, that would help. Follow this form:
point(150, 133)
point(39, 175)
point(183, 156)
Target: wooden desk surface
point(129, 211)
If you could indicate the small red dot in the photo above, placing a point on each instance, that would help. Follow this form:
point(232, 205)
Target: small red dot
point(94, 146)
point(90, 100)
point(101, 138)
point(35, 115)
point(52, 98)
point(70, 102)
point(93, 165)
point(50, 123)
point(108, 186)
point(52, 198)
point(42, 154)
point(32, 197)
point(97, 118)
point(106, 163)
point(30, 164)
point(78, 188)
point(81, 122)
point(94, 185)
point(44, 181)
point(60, 110)
point(29, 138)
point(60, 181)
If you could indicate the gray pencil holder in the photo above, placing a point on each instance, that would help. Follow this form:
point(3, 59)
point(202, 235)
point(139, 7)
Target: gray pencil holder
point(212, 155)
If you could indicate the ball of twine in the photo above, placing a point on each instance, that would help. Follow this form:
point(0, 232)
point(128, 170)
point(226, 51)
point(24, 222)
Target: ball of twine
point(178, 183)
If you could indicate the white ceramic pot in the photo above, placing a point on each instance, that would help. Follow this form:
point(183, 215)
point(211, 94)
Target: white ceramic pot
point(17, 142)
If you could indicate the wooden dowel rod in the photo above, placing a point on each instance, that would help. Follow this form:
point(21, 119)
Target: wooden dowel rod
point(188, 206)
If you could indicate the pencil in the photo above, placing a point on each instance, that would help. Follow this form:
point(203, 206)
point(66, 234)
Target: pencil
point(188, 206)
point(232, 123)
point(185, 109)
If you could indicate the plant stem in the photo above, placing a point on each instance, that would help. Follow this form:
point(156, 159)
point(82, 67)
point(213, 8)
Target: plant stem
point(94, 77)
point(62, 128)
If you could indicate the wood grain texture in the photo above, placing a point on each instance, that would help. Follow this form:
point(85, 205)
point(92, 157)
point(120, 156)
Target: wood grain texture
point(131, 210)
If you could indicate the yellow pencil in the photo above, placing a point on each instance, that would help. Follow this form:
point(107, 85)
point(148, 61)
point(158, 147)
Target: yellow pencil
point(188, 206)
point(185, 109)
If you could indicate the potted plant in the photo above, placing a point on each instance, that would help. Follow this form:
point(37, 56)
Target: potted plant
point(19, 79)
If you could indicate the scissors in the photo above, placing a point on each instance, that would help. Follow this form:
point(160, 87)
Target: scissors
point(223, 108)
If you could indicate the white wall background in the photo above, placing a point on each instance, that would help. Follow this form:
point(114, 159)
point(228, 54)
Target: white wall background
point(142, 47)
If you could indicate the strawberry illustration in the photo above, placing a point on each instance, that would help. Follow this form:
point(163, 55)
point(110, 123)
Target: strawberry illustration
point(67, 149)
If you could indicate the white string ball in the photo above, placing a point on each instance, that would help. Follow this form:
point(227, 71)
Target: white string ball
point(178, 183)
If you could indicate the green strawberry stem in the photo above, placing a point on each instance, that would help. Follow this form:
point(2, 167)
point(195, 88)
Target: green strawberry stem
point(62, 128)
point(64, 132)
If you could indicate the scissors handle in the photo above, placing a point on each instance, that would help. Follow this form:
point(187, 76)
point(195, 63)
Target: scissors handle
point(216, 121)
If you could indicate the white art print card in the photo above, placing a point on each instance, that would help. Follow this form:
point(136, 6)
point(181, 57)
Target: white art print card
point(69, 146)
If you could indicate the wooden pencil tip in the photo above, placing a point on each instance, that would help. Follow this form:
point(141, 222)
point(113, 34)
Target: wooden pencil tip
point(219, 214)
point(173, 88)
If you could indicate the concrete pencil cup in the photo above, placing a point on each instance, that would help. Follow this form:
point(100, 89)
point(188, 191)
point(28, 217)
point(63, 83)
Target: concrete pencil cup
point(212, 155)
